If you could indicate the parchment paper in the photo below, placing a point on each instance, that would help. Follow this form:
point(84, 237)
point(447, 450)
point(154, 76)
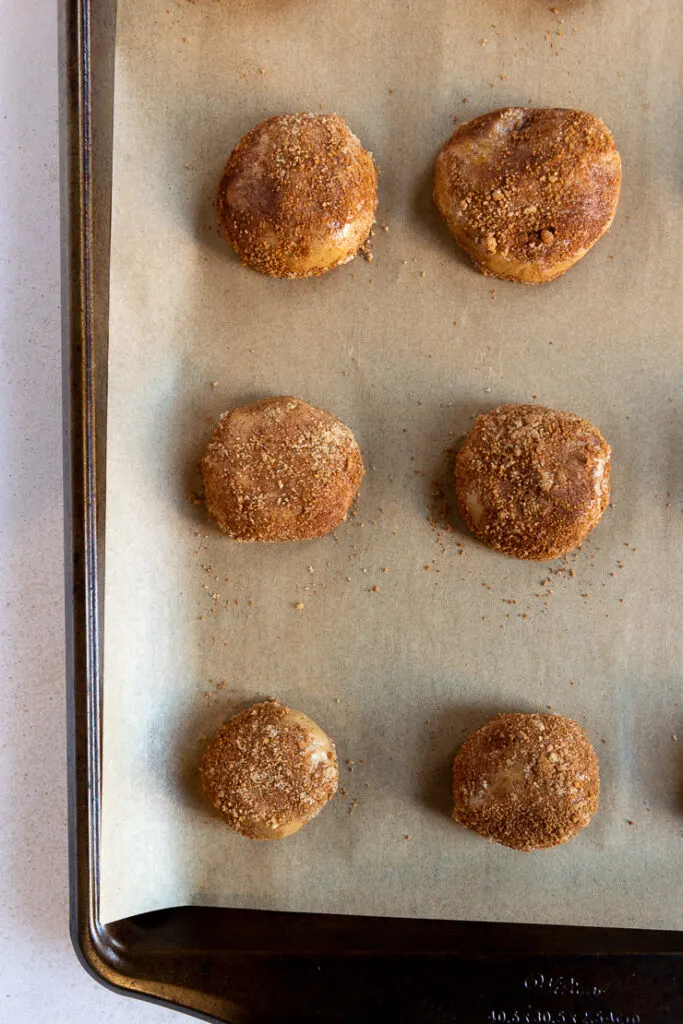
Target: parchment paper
point(455, 633)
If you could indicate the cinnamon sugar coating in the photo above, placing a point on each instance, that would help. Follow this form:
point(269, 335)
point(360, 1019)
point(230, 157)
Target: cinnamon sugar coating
point(298, 195)
point(529, 782)
point(532, 482)
point(280, 469)
point(527, 192)
point(269, 770)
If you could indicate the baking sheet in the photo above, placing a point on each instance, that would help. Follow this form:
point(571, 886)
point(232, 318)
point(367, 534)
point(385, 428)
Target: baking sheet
point(405, 349)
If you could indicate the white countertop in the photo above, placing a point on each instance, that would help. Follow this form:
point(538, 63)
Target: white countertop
point(41, 982)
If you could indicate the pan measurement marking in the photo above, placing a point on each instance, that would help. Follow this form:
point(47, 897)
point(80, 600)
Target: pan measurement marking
point(532, 1016)
point(559, 985)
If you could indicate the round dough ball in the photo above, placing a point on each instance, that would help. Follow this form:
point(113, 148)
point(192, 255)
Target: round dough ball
point(527, 781)
point(280, 469)
point(298, 195)
point(532, 482)
point(269, 771)
point(527, 192)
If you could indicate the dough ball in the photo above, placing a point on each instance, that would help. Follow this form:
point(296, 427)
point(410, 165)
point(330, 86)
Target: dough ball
point(280, 469)
point(269, 770)
point(527, 192)
point(298, 195)
point(527, 781)
point(532, 482)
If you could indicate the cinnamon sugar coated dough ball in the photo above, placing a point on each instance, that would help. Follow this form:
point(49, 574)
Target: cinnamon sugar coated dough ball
point(280, 469)
point(526, 192)
point(527, 781)
point(532, 482)
point(298, 195)
point(269, 770)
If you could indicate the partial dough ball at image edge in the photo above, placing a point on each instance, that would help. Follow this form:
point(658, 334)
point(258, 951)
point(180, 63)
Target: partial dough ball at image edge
point(532, 482)
point(527, 192)
point(526, 781)
point(269, 770)
point(280, 469)
point(298, 195)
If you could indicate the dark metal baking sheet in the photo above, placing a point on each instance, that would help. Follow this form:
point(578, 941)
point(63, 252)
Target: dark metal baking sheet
point(251, 966)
